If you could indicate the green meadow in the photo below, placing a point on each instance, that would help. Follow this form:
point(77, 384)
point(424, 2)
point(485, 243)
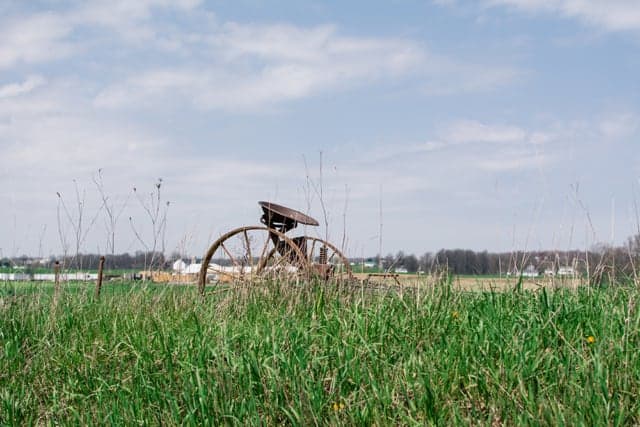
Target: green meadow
point(315, 354)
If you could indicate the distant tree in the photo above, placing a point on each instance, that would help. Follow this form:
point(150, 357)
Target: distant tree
point(411, 263)
point(470, 263)
point(30, 268)
point(633, 245)
point(388, 261)
point(483, 263)
point(426, 261)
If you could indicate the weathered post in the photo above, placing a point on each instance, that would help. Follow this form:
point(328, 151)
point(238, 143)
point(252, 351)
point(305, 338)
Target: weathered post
point(99, 281)
point(56, 271)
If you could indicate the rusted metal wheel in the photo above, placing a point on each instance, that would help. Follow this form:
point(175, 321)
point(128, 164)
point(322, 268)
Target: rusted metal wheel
point(324, 260)
point(250, 254)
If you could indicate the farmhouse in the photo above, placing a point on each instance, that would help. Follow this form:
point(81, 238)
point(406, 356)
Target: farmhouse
point(529, 271)
point(193, 268)
point(566, 271)
point(179, 266)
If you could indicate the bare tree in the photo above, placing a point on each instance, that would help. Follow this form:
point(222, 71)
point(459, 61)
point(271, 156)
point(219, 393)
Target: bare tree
point(113, 210)
point(343, 244)
point(156, 212)
point(317, 188)
point(76, 221)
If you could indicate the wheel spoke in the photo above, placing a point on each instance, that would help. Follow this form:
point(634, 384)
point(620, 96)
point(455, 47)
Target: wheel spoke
point(311, 252)
point(262, 262)
point(264, 248)
point(248, 251)
point(283, 257)
point(248, 247)
point(334, 256)
point(233, 260)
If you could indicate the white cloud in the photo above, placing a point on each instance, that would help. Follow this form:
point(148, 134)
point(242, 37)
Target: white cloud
point(37, 38)
point(247, 67)
point(471, 136)
point(112, 13)
point(213, 89)
point(512, 160)
point(265, 65)
point(619, 126)
point(15, 89)
point(231, 66)
point(214, 194)
point(474, 146)
point(130, 20)
point(73, 145)
point(47, 36)
point(500, 148)
point(318, 46)
point(445, 76)
point(477, 145)
point(612, 15)
point(51, 137)
point(469, 131)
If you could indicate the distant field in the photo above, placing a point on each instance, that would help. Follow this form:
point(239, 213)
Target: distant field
point(314, 354)
point(475, 283)
point(45, 270)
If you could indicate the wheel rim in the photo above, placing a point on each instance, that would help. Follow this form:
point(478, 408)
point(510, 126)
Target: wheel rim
point(248, 254)
point(339, 268)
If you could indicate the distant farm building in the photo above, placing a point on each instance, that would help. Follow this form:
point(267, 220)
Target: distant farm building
point(193, 268)
point(566, 271)
point(179, 266)
point(529, 271)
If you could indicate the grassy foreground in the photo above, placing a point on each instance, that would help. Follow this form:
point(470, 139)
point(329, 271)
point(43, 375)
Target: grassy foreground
point(314, 355)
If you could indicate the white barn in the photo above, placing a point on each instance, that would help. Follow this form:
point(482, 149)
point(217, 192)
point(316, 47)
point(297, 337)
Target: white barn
point(179, 266)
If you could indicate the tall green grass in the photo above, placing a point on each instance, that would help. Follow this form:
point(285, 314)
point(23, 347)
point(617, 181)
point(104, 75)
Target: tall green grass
point(315, 354)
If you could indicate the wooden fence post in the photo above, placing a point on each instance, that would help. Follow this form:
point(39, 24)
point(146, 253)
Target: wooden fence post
point(99, 282)
point(56, 271)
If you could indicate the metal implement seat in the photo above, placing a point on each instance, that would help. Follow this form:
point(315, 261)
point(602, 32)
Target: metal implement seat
point(282, 218)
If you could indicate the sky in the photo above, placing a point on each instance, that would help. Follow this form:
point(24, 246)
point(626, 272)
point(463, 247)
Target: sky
point(403, 125)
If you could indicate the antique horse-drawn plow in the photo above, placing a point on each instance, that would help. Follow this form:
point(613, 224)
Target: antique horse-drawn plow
point(253, 253)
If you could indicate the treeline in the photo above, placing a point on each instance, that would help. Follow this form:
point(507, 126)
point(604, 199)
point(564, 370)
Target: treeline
point(465, 261)
point(600, 260)
point(137, 261)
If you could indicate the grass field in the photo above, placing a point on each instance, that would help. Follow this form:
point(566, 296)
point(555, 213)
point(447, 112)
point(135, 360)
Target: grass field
point(305, 355)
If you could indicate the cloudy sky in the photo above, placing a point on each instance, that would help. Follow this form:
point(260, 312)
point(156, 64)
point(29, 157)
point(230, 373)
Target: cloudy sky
point(488, 124)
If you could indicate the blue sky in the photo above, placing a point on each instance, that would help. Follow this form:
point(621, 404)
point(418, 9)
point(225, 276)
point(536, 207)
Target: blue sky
point(493, 124)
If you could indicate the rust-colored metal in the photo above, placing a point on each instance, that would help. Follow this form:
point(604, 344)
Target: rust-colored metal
point(283, 218)
point(325, 259)
point(283, 245)
point(324, 255)
point(99, 281)
point(308, 255)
